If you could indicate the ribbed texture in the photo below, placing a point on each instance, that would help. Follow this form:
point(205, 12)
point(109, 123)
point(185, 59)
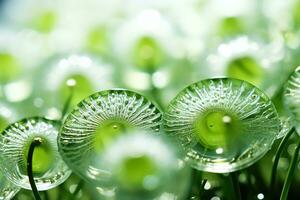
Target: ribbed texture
point(14, 145)
point(253, 110)
point(292, 98)
point(77, 136)
point(7, 189)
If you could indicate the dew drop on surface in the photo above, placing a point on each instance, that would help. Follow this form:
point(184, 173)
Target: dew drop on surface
point(89, 133)
point(222, 134)
point(47, 164)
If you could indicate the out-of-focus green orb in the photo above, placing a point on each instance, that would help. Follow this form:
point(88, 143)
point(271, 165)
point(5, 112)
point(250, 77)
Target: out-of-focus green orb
point(246, 68)
point(10, 68)
point(147, 54)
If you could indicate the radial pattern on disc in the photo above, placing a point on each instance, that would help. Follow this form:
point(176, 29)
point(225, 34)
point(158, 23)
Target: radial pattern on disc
point(49, 170)
point(97, 121)
point(223, 124)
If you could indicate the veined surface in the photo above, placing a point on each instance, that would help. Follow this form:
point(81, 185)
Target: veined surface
point(97, 121)
point(49, 170)
point(223, 124)
point(292, 98)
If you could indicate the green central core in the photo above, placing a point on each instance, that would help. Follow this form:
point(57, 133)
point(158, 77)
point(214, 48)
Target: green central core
point(134, 171)
point(246, 68)
point(217, 129)
point(147, 54)
point(108, 131)
point(42, 159)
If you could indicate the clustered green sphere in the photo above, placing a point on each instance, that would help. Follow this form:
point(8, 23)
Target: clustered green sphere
point(119, 142)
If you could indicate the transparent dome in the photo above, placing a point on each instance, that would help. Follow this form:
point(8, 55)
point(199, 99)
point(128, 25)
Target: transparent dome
point(223, 124)
point(146, 166)
point(292, 98)
point(7, 189)
point(97, 121)
point(49, 170)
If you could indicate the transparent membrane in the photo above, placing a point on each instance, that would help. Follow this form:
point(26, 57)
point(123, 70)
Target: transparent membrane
point(49, 170)
point(96, 122)
point(223, 124)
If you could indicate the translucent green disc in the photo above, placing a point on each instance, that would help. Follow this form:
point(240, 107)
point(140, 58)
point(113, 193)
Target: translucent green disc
point(49, 170)
point(147, 166)
point(292, 98)
point(96, 122)
point(223, 124)
point(7, 189)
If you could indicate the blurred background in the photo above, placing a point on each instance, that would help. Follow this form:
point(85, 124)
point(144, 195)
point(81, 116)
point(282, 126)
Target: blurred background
point(155, 47)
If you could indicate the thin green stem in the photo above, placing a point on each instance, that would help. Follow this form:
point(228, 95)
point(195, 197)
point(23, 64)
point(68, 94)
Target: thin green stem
point(78, 188)
point(46, 195)
point(201, 190)
point(290, 174)
point(36, 142)
point(68, 102)
point(235, 185)
point(195, 182)
point(277, 157)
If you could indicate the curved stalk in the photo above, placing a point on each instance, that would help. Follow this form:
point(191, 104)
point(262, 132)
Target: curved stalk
point(235, 185)
point(290, 174)
point(277, 157)
point(36, 142)
point(68, 102)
